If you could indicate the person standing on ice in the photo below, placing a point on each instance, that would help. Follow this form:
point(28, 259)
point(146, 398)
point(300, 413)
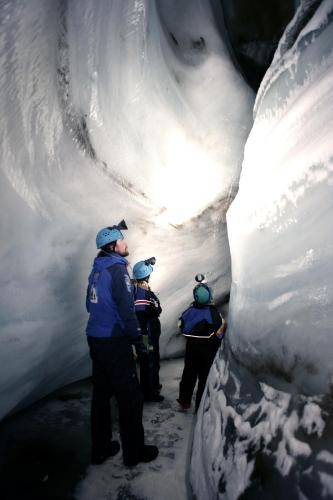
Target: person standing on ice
point(148, 310)
point(204, 328)
point(112, 329)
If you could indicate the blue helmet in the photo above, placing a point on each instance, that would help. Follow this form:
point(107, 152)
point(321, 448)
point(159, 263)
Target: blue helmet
point(143, 268)
point(202, 294)
point(110, 234)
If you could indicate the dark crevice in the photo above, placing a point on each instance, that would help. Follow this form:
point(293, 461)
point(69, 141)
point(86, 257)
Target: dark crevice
point(254, 30)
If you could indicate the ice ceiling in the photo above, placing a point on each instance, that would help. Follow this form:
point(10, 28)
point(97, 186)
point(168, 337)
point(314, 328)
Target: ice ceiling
point(136, 109)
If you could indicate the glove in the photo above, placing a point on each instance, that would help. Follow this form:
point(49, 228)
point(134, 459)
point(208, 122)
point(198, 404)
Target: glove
point(145, 340)
point(140, 349)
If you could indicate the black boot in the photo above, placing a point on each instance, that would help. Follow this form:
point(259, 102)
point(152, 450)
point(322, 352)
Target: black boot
point(147, 454)
point(112, 449)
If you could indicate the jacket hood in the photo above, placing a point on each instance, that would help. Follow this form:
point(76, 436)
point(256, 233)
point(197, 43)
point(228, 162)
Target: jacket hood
point(101, 263)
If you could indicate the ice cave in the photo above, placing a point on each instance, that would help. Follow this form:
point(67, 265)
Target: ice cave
point(208, 126)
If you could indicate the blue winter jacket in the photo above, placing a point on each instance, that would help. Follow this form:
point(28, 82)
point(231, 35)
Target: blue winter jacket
point(200, 321)
point(110, 301)
point(148, 309)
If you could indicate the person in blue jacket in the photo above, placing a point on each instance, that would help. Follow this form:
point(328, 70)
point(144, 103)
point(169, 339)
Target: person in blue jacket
point(112, 329)
point(204, 328)
point(148, 310)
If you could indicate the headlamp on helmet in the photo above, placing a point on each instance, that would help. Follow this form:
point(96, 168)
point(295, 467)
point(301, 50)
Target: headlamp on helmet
point(143, 268)
point(151, 261)
point(202, 294)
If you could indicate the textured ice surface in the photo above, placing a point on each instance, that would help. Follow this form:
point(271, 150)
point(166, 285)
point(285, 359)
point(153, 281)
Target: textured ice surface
point(265, 422)
point(109, 110)
point(280, 223)
point(253, 439)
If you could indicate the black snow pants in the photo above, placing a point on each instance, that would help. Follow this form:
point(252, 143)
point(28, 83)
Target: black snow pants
point(150, 364)
point(199, 356)
point(114, 374)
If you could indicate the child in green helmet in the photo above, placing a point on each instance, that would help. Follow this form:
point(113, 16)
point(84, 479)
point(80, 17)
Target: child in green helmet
point(204, 329)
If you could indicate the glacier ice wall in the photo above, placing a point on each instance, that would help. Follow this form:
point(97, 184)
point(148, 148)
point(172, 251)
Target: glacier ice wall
point(255, 441)
point(280, 223)
point(109, 109)
point(265, 421)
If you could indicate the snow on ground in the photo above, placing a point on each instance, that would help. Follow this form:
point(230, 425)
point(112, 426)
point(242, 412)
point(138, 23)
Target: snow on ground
point(164, 478)
point(45, 450)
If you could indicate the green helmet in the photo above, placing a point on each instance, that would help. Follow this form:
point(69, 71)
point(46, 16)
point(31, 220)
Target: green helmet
point(202, 294)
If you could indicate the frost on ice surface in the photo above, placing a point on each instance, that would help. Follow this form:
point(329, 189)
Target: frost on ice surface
point(109, 110)
point(251, 436)
point(265, 419)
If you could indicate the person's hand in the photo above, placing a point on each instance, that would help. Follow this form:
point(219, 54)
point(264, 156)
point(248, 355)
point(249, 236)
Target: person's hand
point(135, 356)
point(140, 350)
point(145, 340)
point(221, 331)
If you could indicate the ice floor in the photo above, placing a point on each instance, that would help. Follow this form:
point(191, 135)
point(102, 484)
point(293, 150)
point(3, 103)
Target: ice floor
point(162, 479)
point(45, 450)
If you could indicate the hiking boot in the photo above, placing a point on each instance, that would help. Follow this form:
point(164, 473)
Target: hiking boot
point(156, 398)
point(147, 454)
point(111, 450)
point(184, 404)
